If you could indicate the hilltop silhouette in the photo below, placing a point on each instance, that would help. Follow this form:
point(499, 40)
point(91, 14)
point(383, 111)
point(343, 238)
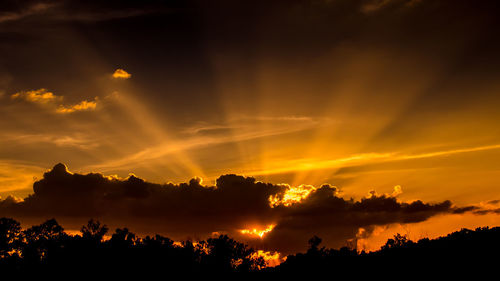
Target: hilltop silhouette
point(48, 248)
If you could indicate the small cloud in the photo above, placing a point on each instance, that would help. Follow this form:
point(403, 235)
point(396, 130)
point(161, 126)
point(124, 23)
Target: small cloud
point(397, 191)
point(37, 96)
point(121, 74)
point(82, 106)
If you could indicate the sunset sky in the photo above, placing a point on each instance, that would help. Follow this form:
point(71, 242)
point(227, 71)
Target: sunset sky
point(400, 97)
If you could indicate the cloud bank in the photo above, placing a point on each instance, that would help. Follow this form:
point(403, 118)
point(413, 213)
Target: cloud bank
point(234, 204)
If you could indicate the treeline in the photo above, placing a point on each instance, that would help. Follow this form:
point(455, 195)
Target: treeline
point(48, 248)
point(464, 251)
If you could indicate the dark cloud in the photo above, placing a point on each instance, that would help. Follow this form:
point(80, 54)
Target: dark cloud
point(187, 207)
point(234, 203)
point(487, 211)
point(338, 220)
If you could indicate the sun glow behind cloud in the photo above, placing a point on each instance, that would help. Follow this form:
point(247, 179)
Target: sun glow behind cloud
point(271, 258)
point(292, 195)
point(256, 232)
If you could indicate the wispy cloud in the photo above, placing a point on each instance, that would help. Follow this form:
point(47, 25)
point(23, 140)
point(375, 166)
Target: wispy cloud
point(82, 11)
point(34, 9)
point(82, 106)
point(307, 164)
point(67, 140)
point(203, 135)
point(42, 96)
point(372, 6)
point(48, 99)
point(448, 152)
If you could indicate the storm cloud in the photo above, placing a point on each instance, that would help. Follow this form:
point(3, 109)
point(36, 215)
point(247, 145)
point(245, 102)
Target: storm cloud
point(195, 210)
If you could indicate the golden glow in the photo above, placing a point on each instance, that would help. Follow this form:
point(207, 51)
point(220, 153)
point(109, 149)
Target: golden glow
point(258, 232)
point(433, 228)
point(121, 74)
point(142, 152)
point(271, 258)
point(293, 194)
point(356, 116)
point(17, 178)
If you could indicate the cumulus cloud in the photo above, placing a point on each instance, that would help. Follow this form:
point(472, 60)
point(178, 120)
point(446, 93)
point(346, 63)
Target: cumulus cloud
point(121, 74)
point(233, 204)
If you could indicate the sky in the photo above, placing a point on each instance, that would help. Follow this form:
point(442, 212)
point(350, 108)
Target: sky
point(329, 116)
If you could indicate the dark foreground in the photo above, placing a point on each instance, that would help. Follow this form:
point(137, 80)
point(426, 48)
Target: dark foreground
point(46, 248)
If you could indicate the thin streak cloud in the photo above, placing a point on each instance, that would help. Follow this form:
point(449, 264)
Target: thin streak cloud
point(241, 132)
point(34, 9)
point(295, 165)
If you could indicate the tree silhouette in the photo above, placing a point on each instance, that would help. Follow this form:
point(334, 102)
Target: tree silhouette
point(123, 238)
point(398, 241)
point(314, 242)
point(40, 242)
point(47, 248)
point(93, 231)
point(225, 254)
point(9, 236)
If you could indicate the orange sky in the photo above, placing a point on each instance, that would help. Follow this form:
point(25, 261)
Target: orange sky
point(362, 95)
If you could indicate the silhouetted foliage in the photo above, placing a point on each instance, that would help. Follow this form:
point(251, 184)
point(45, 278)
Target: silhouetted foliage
point(47, 248)
point(94, 231)
point(462, 251)
point(9, 236)
point(225, 254)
